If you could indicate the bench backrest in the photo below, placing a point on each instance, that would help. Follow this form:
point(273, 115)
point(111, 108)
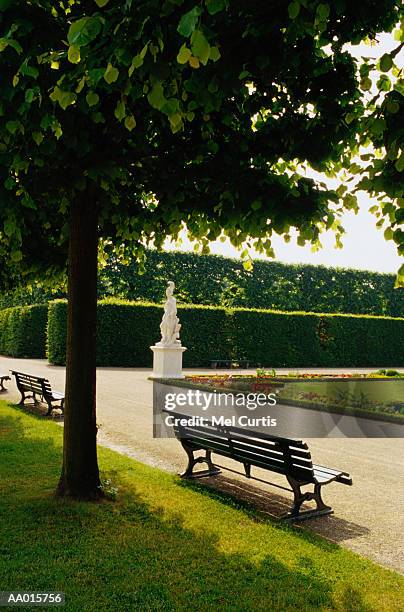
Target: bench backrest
point(35, 384)
point(282, 455)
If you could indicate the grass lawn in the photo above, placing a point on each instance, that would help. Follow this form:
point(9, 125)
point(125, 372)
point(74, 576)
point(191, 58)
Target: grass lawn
point(162, 544)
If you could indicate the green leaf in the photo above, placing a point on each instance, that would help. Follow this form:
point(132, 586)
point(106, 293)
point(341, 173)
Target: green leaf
point(101, 3)
point(67, 98)
point(400, 277)
point(323, 11)
point(92, 98)
point(28, 70)
point(388, 233)
point(200, 46)
point(37, 137)
point(120, 110)
point(384, 83)
point(84, 30)
point(293, 10)
point(256, 205)
point(385, 62)
point(29, 95)
point(156, 97)
point(81, 84)
point(111, 74)
point(378, 126)
point(184, 54)
point(399, 165)
point(130, 122)
point(188, 22)
point(16, 256)
point(399, 33)
point(10, 183)
point(138, 60)
point(215, 6)
point(9, 42)
point(214, 54)
point(10, 226)
point(73, 54)
point(171, 106)
point(12, 126)
point(136, 63)
point(366, 84)
point(176, 122)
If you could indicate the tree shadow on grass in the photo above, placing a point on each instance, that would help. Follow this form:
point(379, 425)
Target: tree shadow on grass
point(135, 554)
point(39, 411)
point(272, 506)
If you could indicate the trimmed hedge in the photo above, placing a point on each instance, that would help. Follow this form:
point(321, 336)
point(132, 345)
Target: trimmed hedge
point(23, 331)
point(126, 330)
point(299, 339)
point(222, 281)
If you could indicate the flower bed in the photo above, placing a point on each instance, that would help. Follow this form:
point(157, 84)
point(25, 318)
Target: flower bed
point(354, 394)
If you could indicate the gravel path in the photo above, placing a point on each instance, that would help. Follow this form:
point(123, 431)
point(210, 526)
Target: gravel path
point(369, 516)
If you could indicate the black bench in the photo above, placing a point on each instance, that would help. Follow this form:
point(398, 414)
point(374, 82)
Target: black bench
point(39, 387)
point(3, 377)
point(251, 448)
point(229, 363)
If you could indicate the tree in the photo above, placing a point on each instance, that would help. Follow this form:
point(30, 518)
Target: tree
point(121, 121)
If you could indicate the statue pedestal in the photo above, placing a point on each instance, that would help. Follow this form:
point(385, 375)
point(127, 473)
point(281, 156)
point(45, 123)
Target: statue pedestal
point(167, 361)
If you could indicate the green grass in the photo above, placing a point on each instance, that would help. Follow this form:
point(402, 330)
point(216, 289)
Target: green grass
point(163, 544)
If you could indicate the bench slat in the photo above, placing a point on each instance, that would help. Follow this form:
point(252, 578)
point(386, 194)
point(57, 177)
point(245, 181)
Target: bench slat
point(206, 440)
point(210, 445)
point(201, 429)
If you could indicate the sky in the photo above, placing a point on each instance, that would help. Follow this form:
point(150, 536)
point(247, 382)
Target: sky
point(364, 245)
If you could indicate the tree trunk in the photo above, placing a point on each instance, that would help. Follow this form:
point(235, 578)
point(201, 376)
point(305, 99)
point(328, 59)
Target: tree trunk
point(80, 475)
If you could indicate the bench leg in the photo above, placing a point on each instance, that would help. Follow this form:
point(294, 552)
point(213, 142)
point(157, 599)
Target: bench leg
point(192, 461)
point(23, 398)
point(299, 497)
point(2, 387)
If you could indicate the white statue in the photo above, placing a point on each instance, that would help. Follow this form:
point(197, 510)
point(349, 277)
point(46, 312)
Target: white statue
point(170, 324)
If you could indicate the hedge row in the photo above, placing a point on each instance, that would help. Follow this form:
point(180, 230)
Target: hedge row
point(310, 340)
point(221, 281)
point(126, 330)
point(23, 331)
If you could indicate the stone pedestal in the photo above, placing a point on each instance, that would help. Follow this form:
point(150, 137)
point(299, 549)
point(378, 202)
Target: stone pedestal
point(167, 361)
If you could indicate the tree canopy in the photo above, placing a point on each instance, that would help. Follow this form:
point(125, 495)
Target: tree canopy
point(182, 111)
point(121, 121)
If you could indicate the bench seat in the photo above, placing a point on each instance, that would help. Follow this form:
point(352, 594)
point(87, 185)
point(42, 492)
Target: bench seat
point(38, 387)
point(286, 456)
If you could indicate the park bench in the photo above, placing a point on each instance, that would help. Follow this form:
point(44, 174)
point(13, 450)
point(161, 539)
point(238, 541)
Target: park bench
point(285, 456)
point(3, 378)
point(39, 387)
point(229, 363)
